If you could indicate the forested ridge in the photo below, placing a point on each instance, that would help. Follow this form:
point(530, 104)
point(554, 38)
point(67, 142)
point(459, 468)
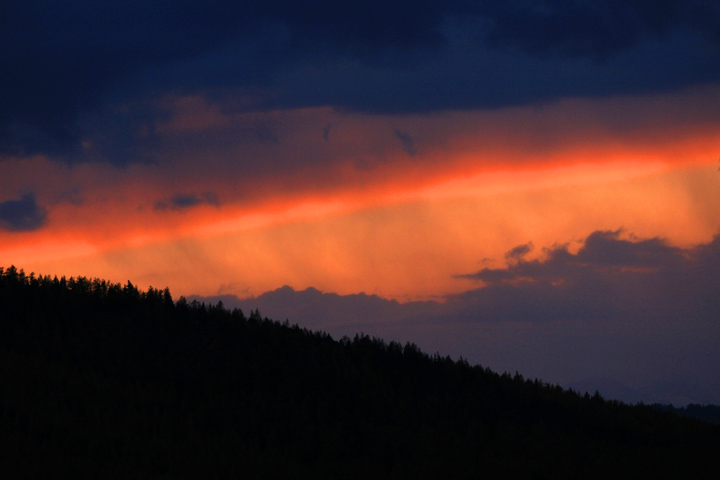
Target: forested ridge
point(102, 380)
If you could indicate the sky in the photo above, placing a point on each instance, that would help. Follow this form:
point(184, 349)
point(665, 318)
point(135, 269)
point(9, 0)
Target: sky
point(531, 185)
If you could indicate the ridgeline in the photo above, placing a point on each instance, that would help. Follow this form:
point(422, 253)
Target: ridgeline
point(102, 380)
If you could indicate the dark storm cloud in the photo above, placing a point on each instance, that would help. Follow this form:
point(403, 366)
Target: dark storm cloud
point(608, 278)
point(66, 64)
point(604, 248)
point(22, 215)
point(185, 201)
point(602, 252)
point(598, 29)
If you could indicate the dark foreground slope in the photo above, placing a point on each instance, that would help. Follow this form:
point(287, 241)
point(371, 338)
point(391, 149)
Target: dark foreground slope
point(99, 380)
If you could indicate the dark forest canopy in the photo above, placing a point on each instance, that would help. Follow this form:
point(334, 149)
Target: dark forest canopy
point(104, 380)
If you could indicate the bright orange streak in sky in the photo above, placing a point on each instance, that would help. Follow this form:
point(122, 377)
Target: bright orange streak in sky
point(408, 250)
point(372, 216)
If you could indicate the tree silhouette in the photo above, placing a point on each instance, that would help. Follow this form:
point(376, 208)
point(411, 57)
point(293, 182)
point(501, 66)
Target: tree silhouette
point(102, 380)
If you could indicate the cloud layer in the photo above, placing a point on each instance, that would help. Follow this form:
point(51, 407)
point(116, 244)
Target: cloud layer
point(608, 278)
point(85, 71)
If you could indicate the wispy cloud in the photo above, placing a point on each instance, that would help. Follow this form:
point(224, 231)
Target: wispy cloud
point(185, 201)
point(408, 142)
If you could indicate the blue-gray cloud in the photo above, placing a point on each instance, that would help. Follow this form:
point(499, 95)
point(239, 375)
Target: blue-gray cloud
point(407, 141)
point(609, 277)
point(340, 314)
point(22, 215)
point(517, 253)
point(67, 64)
point(185, 201)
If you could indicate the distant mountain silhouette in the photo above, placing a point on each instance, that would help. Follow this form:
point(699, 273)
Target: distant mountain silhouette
point(102, 380)
point(609, 389)
point(676, 394)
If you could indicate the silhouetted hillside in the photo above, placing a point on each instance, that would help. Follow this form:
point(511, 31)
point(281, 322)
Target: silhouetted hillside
point(101, 380)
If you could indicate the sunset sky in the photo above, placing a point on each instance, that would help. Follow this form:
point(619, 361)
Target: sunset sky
point(532, 185)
